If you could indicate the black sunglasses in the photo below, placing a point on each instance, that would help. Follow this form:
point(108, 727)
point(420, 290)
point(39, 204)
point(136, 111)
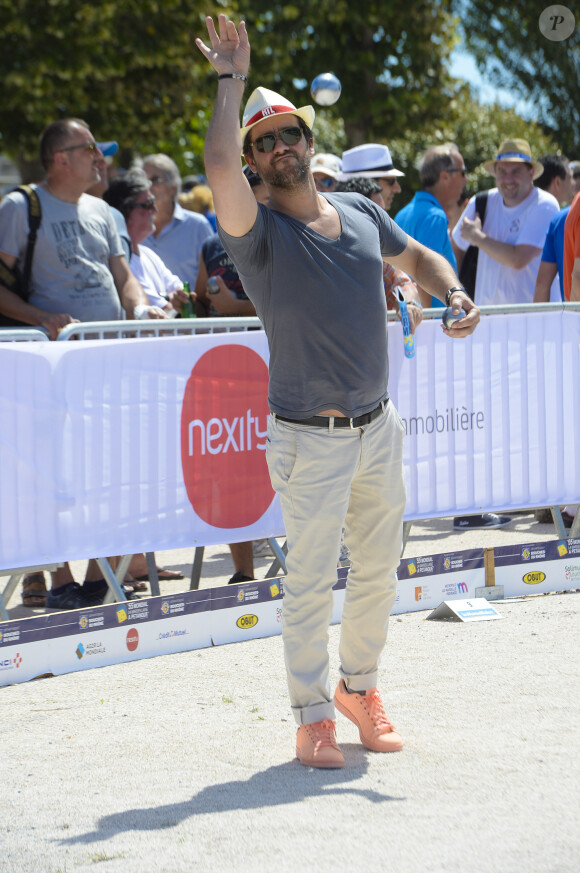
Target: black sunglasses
point(289, 136)
point(147, 204)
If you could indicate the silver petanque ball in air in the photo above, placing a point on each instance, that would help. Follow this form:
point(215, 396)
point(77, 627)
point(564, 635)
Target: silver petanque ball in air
point(325, 89)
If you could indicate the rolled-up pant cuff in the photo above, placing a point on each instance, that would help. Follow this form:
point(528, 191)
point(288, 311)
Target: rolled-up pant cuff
point(316, 712)
point(359, 683)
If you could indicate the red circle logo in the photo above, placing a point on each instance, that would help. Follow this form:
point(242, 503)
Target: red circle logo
point(223, 437)
point(132, 639)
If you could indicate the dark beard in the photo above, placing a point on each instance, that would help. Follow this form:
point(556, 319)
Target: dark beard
point(292, 177)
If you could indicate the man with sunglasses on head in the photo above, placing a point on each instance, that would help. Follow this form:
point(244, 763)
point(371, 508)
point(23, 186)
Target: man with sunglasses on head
point(311, 264)
point(442, 174)
point(79, 272)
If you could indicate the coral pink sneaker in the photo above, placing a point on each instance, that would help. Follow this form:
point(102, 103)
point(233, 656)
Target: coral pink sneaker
point(316, 745)
point(367, 712)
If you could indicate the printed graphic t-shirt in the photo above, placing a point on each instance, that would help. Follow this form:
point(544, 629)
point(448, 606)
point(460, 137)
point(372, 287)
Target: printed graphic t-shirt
point(70, 267)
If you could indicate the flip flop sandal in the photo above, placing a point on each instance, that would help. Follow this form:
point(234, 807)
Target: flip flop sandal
point(162, 574)
point(34, 590)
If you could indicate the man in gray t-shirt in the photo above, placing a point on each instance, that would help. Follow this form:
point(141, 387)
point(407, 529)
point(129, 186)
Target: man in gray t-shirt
point(79, 272)
point(312, 266)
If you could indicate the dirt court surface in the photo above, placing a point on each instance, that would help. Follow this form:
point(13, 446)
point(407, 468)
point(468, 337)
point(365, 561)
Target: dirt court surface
point(185, 762)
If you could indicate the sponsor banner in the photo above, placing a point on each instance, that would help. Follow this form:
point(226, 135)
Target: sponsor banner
point(446, 563)
point(159, 443)
point(187, 417)
point(81, 639)
point(428, 591)
point(247, 622)
point(526, 553)
point(20, 663)
point(537, 568)
point(246, 611)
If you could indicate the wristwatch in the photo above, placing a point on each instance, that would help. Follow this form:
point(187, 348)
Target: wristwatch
point(452, 291)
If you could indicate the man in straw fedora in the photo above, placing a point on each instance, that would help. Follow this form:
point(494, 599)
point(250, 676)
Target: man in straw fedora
point(516, 221)
point(311, 264)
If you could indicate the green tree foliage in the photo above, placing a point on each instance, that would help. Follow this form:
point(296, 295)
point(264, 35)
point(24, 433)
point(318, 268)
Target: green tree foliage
point(128, 67)
point(392, 64)
point(131, 68)
point(510, 49)
point(477, 129)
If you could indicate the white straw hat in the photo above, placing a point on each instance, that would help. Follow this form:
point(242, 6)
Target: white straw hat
point(263, 103)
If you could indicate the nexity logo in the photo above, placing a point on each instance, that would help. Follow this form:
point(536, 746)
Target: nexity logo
point(223, 437)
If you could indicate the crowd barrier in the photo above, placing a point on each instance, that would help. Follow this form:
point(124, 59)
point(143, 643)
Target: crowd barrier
point(117, 448)
point(57, 643)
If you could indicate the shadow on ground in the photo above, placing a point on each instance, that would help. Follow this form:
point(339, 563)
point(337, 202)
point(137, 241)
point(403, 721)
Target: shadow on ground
point(276, 786)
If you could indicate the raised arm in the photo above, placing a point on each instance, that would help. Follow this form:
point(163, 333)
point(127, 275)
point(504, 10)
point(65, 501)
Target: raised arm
point(235, 205)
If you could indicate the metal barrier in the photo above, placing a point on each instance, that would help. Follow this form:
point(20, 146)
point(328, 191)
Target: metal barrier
point(193, 326)
point(23, 334)
point(156, 327)
point(185, 327)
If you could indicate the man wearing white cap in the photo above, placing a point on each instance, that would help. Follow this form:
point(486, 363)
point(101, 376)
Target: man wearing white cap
point(514, 230)
point(325, 170)
point(312, 266)
point(372, 161)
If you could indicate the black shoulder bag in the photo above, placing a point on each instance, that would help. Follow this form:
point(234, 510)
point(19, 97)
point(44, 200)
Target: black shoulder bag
point(468, 270)
point(15, 279)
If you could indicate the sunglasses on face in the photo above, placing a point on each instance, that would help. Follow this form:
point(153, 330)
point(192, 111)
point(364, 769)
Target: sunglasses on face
point(148, 204)
point(390, 182)
point(91, 147)
point(289, 136)
point(326, 182)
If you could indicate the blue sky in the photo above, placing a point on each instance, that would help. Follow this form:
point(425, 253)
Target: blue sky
point(463, 67)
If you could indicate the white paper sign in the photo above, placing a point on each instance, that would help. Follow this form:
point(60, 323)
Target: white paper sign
point(477, 609)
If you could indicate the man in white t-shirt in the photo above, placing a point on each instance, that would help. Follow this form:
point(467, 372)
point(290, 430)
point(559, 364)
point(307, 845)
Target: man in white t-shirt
point(514, 229)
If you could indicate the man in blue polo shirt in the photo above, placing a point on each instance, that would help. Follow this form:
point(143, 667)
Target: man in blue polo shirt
point(442, 174)
point(552, 263)
point(179, 233)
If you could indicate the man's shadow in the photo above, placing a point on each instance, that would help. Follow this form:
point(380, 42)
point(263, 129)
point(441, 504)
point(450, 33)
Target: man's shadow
point(281, 784)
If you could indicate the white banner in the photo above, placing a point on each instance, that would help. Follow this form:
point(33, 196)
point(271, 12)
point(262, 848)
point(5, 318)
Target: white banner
point(117, 446)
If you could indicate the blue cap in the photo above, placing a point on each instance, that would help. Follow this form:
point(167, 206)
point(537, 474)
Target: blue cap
point(108, 148)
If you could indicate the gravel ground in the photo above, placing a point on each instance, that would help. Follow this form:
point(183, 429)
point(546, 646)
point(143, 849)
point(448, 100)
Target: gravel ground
point(185, 762)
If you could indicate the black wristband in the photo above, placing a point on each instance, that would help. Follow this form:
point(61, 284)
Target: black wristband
point(233, 76)
point(450, 292)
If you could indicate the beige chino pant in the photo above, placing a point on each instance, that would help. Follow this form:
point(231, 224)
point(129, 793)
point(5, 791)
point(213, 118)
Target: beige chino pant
point(327, 479)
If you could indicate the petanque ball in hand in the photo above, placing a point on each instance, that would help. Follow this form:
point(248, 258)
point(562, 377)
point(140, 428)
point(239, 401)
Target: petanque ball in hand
point(325, 89)
point(448, 318)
